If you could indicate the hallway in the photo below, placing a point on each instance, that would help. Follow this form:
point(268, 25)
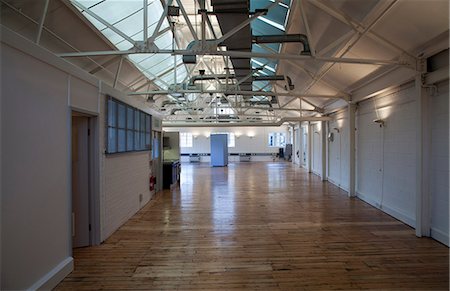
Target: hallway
point(259, 226)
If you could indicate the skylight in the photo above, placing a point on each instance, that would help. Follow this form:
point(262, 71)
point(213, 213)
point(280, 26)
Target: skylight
point(273, 23)
point(127, 17)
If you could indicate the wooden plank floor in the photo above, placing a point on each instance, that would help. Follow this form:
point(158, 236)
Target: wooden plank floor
point(259, 226)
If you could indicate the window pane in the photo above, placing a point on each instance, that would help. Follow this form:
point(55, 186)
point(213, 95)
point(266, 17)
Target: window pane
point(142, 128)
point(277, 139)
point(147, 123)
point(130, 140)
point(137, 140)
point(147, 140)
point(130, 118)
point(136, 120)
point(186, 139)
point(112, 140)
point(142, 141)
point(121, 110)
point(121, 140)
point(111, 112)
point(231, 140)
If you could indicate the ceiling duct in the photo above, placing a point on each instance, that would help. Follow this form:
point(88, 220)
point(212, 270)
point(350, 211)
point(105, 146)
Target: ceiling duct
point(254, 78)
point(174, 110)
point(284, 38)
point(229, 15)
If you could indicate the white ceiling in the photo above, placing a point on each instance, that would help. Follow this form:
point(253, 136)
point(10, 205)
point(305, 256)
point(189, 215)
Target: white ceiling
point(369, 29)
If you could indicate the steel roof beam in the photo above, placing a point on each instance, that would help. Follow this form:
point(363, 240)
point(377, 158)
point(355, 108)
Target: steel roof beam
point(244, 93)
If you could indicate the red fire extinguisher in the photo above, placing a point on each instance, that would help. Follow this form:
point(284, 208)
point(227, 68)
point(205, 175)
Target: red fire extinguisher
point(152, 183)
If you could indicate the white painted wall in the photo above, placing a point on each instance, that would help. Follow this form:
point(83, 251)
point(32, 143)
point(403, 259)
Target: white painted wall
point(248, 140)
point(35, 170)
point(316, 155)
point(386, 156)
point(338, 154)
point(439, 176)
point(38, 94)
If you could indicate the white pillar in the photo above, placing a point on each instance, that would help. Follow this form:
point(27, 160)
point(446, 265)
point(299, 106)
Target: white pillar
point(300, 143)
point(310, 134)
point(423, 195)
point(324, 150)
point(352, 151)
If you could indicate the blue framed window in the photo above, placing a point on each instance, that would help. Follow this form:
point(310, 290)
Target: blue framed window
point(128, 129)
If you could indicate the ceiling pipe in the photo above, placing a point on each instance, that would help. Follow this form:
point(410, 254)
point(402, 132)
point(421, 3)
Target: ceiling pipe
point(285, 38)
point(238, 124)
point(254, 78)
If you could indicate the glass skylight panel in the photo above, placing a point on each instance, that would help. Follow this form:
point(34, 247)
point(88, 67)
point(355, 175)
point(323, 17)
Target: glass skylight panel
point(114, 37)
point(165, 41)
point(114, 11)
point(157, 62)
point(132, 25)
point(127, 16)
point(100, 26)
point(169, 77)
point(276, 15)
point(273, 23)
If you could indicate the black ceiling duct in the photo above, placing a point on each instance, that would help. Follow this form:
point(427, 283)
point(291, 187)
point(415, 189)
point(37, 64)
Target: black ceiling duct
point(284, 38)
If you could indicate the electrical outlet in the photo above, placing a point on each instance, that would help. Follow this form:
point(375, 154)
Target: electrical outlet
point(141, 197)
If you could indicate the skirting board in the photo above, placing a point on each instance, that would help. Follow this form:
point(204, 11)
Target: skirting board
point(337, 184)
point(56, 275)
point(440, 236)
point(392, 212)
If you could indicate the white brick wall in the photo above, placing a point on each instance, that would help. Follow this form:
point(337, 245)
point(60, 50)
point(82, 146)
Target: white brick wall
point(126, 176)
point(439, 180)
point(123, 178)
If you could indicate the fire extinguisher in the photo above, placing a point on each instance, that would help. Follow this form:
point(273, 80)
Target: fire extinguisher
point(152, 183)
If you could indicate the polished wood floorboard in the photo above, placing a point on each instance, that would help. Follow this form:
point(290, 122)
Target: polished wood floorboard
point(259, 226)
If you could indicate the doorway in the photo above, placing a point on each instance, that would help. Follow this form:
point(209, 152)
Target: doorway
point(83, 181)
point(157, 160)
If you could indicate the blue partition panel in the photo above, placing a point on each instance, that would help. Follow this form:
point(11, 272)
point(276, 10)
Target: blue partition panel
point(219, 150)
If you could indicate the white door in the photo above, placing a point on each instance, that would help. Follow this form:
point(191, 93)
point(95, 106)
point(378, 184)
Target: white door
point(80, 181)
point(296, 151)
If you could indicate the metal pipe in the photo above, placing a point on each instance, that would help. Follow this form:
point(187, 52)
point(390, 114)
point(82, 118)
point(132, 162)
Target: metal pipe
point(232, 92)
point(232, 76)
point(237, 123)
point(41, 21)
point(285, 38)
point(145, 10)
point(237, 54)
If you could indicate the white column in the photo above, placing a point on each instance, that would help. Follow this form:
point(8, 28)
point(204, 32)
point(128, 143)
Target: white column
point(324, 150)
point(352, 150)
point(310, 135)
point(423, 204)
point(300, 144)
